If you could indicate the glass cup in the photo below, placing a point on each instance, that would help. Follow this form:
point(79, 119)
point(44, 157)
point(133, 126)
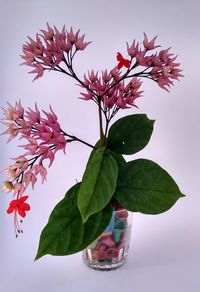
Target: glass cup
point(110, 249)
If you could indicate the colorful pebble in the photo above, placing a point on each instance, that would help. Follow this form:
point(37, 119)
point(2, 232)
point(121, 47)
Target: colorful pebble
point(112, 253)
point(120, 224)
point(111, 224)
point(107, 246)
point(122, 214)
point(117, 235)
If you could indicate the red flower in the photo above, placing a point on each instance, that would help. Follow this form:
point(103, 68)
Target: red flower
point(19, 206)
point(122, 62)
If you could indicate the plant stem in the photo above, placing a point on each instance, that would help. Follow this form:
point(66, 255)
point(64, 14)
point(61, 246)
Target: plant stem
point(106, 129)
point(74, 138)
point(102, 137)
point(79, 140)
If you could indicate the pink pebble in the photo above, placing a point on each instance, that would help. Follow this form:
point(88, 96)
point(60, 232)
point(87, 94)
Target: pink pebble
point(102, 253)
point(123, 214)
point(112, 253)
point(107, 240)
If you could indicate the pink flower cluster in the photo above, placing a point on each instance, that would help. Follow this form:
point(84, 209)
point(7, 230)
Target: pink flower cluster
point(52, 47)
point(160, 66)
point(44, 138)
point(110, 91)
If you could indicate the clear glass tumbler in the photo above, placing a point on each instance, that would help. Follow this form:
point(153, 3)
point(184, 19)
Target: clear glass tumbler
point(109, 250)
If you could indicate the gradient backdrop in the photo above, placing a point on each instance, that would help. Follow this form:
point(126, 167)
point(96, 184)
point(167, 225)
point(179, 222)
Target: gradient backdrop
point(165, 249)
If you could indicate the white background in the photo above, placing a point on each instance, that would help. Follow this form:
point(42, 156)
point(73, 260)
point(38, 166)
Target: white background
point(165, 249)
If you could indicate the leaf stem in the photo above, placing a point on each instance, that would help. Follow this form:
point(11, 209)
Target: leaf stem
point(74, 138)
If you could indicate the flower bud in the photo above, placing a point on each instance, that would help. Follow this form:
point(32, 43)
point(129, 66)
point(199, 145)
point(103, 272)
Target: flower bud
point(7, 186)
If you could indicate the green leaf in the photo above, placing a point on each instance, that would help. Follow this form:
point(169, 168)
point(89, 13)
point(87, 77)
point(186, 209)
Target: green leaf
point(121, 162)
point(65, 233)
point(143, 186)
point(130, 134)
point(98, 183)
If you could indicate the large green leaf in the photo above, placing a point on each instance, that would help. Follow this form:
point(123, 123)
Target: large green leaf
point(65, 233)
point(130, 134)
point(143, 186)
point(98, 183)
point(121, 162)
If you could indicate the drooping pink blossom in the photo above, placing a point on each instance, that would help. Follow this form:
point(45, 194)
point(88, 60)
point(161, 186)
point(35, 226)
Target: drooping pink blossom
point(43, 136)
point(38, 69)
point(30, 177)
point(32, 146)
point(40, 169)
point(19, 188)
point(12, 130)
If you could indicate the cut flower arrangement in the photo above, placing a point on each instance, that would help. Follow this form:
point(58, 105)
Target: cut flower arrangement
point(109, 182)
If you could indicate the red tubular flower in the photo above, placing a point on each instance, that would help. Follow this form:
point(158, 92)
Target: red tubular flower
point(19, 206)
point(122, 61)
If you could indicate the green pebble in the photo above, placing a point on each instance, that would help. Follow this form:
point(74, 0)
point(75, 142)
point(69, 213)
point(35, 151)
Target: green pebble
point(117, 235)
point(120, 224)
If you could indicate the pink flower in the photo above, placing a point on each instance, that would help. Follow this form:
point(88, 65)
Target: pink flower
point(87, 96)
point(7, 186)
point(133, 49)
point(29, 177)
point(51, 120)
point(19, 167)
point(160, 66)
point(119, 95)
point(21, 162)
point(106, 77)
point(149, 45)
point(32, 146)
point(44, 138)
point(33, 115)
point(40, 169)
point(52, 48)
point(49, 34)
point(80, 44)
point(11, 172)
point(73, 37)
point(39, 70)
point(143, 60)
point(12, 131)
point(45, 152)
point(19, 188)
point(13, 113)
